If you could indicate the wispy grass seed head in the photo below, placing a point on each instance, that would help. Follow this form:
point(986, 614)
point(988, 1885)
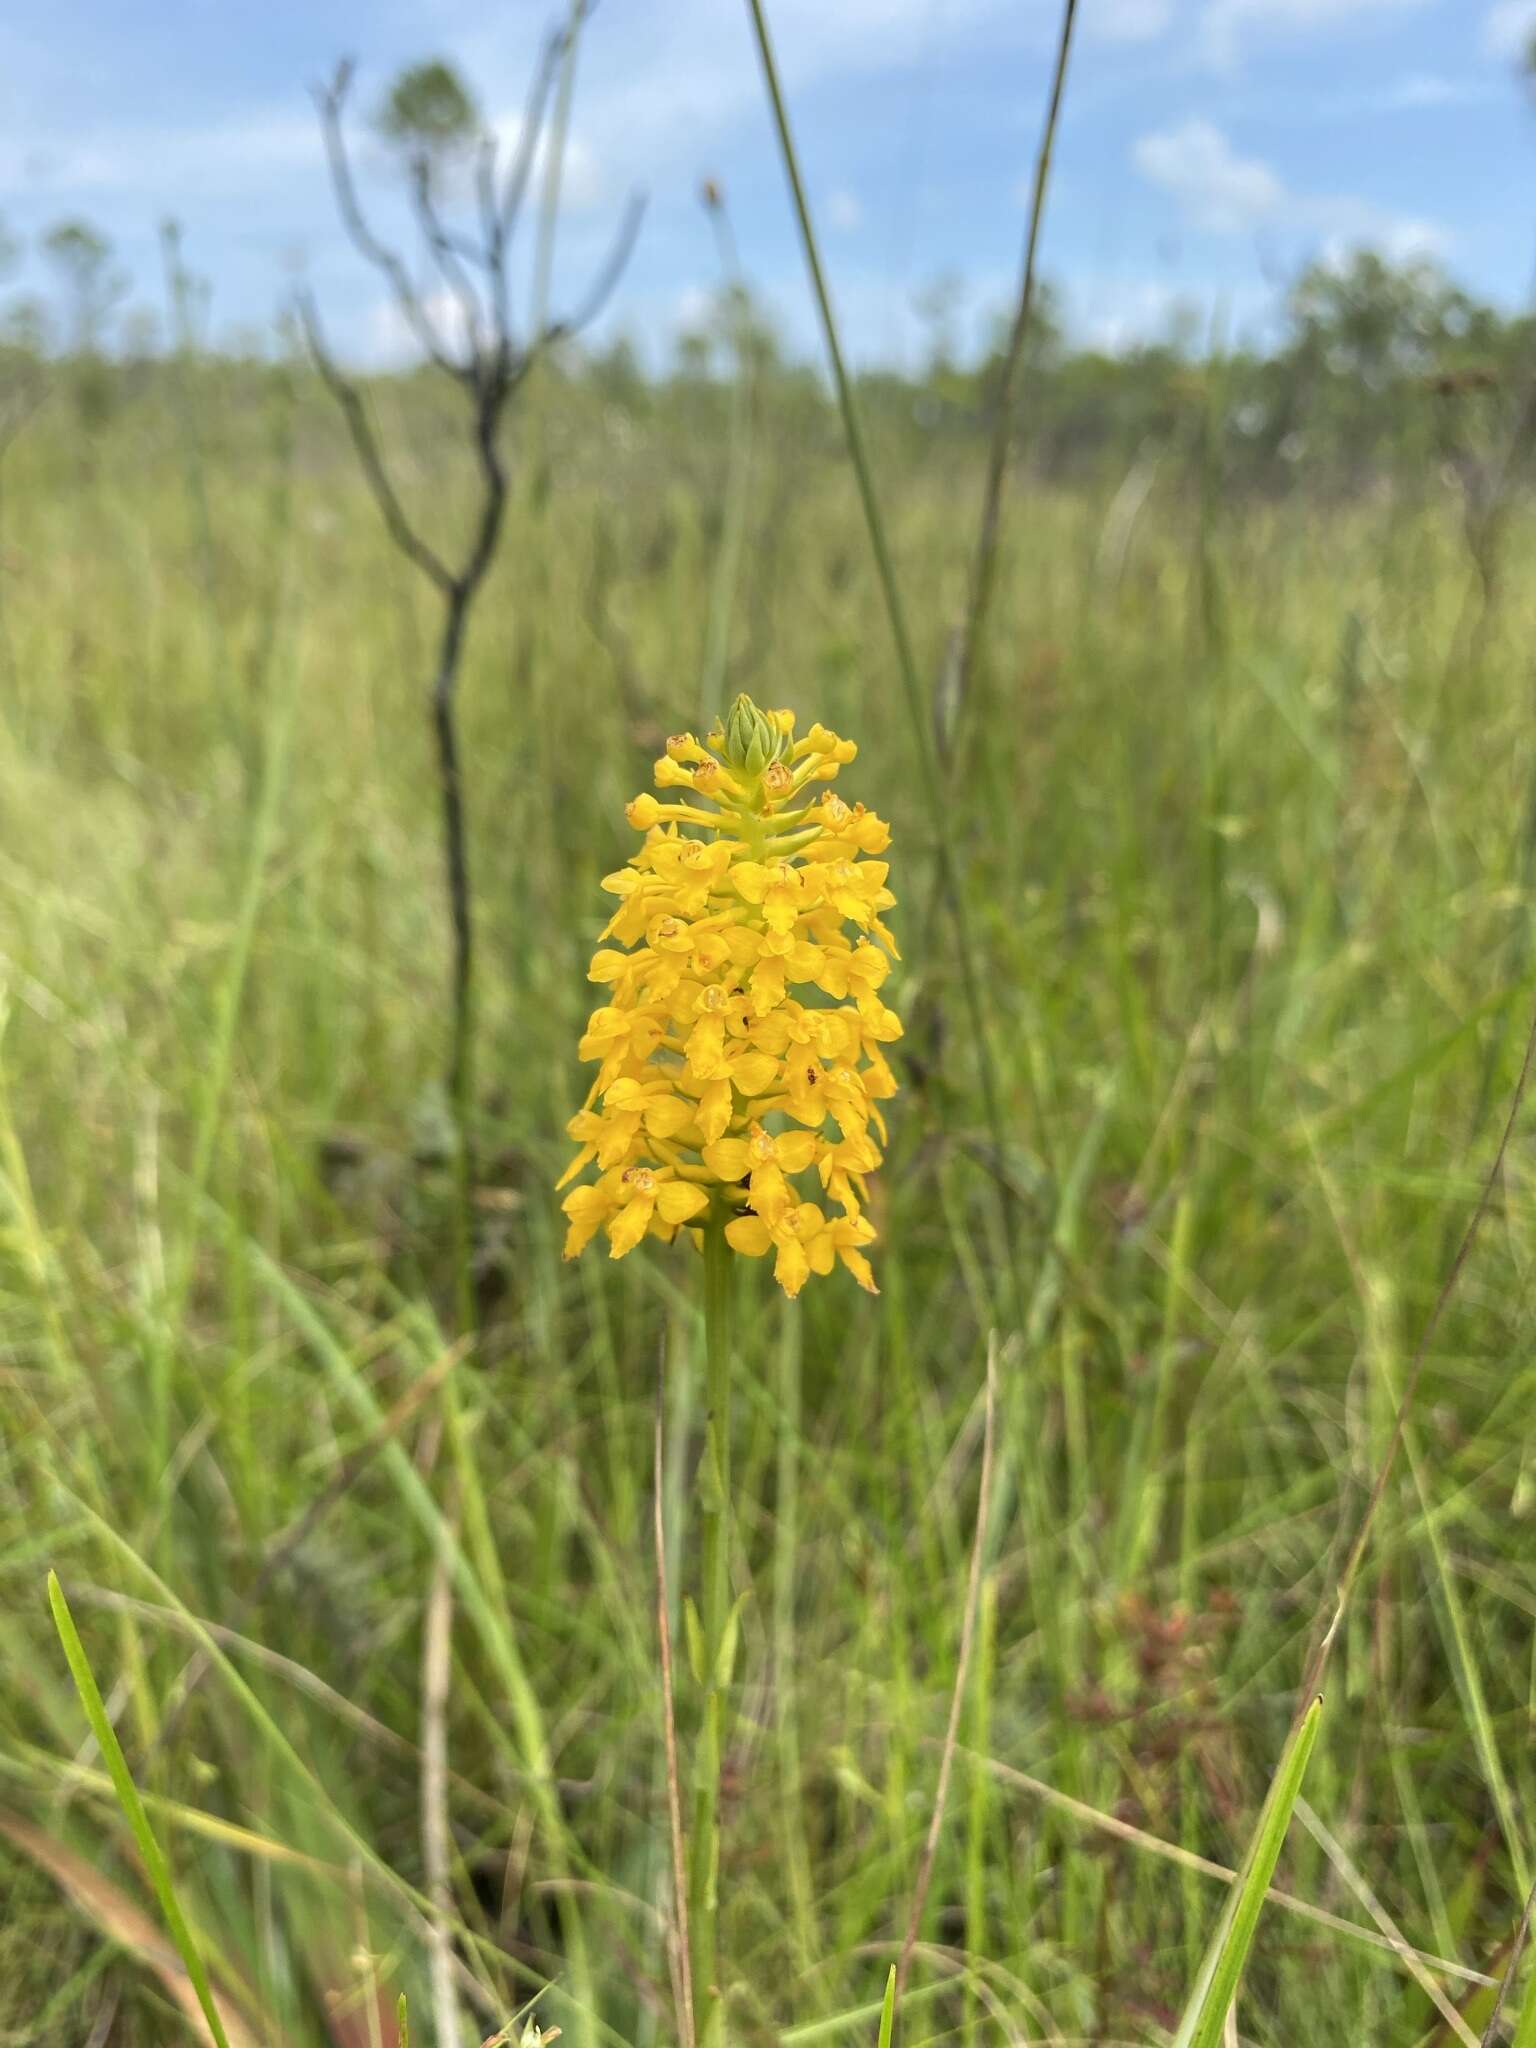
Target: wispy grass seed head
point(742, 1045)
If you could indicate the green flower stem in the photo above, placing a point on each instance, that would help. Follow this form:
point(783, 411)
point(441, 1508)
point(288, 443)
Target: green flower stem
point(714, 1487)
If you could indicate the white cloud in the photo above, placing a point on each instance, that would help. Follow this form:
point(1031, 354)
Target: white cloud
point(1218, 190)
point(1508, 28)
point(665, 86)
point(233, 157)
point(229, 156)
point(693, 309)
point(845, 211)
point(1227, 23)
point(1127, 21)
point(1424, 89)
point(1411, 92)
point(1223, 193)
point(582, 184)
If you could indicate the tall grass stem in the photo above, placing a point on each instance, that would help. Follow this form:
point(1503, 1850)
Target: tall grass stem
point(153, 1855)
point(906, 663)
point(717, 1634)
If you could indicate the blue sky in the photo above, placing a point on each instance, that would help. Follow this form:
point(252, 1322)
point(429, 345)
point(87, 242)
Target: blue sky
point(1208, 147)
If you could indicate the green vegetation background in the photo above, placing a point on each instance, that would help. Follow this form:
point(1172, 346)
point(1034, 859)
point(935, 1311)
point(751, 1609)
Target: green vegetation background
point(1246, 806)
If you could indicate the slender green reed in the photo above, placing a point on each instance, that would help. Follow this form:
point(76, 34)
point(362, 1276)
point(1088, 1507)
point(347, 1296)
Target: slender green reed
point(906, 662)
point(158, 1870)
point(715, 1649)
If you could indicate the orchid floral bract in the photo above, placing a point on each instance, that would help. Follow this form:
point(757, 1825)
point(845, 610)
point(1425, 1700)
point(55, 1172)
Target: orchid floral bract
point(741, 1063)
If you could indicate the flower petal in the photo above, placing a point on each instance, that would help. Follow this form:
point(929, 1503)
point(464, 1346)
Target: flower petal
point(748, 1234)
point(754, 1072)
point(795, 1150)
point(715, 1109)
point(727, 1158)
point(677, 1200)
point(859, 1267)
point(630, 1225)
point(666, 1116)
point(792, 1268)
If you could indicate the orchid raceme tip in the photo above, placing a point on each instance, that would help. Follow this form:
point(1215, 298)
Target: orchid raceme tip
point(740, 1054)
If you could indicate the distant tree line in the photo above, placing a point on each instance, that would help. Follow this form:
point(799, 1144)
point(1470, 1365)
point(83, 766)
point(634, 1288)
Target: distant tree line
point(1376, 365)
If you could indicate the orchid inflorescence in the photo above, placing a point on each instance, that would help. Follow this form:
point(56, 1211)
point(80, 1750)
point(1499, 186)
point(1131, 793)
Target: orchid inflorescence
point(742, 1043)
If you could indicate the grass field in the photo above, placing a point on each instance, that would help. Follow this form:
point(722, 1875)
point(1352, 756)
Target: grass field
point(1246, 814)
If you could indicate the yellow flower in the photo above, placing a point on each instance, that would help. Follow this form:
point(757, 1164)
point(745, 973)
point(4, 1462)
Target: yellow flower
point(806, 1242)
point(741, 1045)
point(627, 1203)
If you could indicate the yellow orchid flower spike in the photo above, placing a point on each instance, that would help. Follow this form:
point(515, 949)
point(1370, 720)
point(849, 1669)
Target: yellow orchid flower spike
point(740, 1048)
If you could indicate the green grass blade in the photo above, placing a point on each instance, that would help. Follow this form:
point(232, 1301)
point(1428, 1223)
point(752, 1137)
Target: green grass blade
point(1205, 2015)
point(133, 1807)
point(888, 2010)
point(935, 796)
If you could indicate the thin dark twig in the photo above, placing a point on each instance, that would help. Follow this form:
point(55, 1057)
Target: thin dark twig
point(449, 256)
point(1318, 1661)
point(601, 290)
point(365, 445)
point(330, 100)
point(492, 369)
point(962, 1672)
point(669, 1735)
point(984, 562)
point(450, 769)
point(1522, 1935)
point(485, 191)
point(520, 169)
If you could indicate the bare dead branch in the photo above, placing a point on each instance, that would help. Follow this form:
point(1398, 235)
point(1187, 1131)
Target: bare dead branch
point(485, 191)
point(449, 258)
point(490, 370)
point(606, 281)
point(520, 168)
point(365, 443)
point(330, 100)
point(500, 211)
